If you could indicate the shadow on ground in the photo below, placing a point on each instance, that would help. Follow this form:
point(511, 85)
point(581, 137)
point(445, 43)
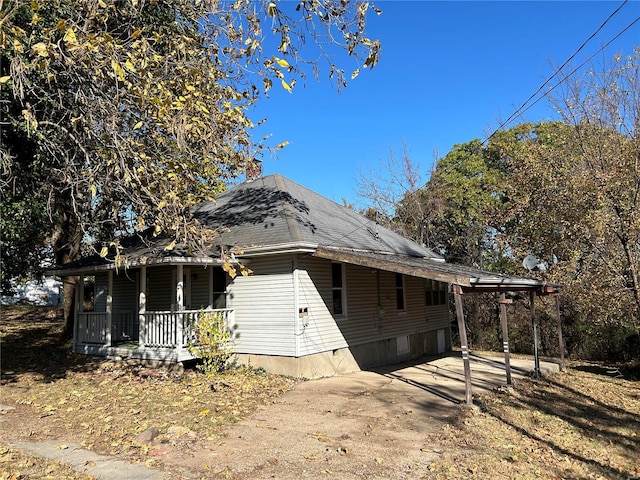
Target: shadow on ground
point(30, 343)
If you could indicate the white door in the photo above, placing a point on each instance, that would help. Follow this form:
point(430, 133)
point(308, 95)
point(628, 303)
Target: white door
point(441, 341)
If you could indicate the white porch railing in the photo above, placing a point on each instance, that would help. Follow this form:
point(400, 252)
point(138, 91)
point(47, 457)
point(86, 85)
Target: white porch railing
point(92, 327)
point(174, 329)
point(161, 329)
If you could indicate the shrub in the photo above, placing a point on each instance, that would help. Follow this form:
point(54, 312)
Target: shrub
point(211, 343)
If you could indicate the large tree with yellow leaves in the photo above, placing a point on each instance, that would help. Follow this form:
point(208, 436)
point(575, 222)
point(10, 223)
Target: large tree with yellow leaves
point(118, 115)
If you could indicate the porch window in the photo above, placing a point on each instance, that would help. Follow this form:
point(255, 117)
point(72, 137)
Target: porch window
point(338, 286)
point(399, 291)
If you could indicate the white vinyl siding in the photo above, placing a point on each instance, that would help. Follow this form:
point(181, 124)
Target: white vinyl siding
point(362, 324)
point(321, 332)
point(263, 305)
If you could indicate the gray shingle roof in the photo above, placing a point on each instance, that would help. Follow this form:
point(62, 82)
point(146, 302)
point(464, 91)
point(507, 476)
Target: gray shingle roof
point(273, 210)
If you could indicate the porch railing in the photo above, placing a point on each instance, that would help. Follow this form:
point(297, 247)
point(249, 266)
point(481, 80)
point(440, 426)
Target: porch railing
point(162, 329)
point(92, 327)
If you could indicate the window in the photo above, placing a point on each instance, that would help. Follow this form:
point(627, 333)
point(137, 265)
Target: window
point(435, 293)
point(399, 291)
point(337, 283)
point(219, 288)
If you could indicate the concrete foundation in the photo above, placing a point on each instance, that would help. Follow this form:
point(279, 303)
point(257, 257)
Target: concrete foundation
point(389, 351)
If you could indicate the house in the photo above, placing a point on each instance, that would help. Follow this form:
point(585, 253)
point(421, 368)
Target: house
point(330, 291)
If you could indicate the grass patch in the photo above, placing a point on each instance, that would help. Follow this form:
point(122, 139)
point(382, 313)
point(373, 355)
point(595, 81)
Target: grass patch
point(580, 424)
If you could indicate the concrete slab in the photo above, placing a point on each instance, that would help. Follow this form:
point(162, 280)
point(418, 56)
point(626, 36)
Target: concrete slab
point(444, 376)
point(100, 466)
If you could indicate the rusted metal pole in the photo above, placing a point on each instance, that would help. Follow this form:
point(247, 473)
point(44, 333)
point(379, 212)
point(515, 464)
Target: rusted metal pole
point(560, 339)
point(505, 336)
point(532, 296)
point(457, 294)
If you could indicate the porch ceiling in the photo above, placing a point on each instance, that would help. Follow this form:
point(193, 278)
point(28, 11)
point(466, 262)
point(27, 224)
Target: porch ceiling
point(472, 280)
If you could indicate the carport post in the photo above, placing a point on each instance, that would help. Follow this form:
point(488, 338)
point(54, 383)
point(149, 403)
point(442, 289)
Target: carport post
point(457, 294)
point(505, 335)
point(532, 296)
point(560, 339)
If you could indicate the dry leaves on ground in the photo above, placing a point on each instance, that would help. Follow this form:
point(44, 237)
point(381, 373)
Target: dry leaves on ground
point(582, 423)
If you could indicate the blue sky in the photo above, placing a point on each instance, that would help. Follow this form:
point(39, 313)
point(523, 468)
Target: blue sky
point(449, 72)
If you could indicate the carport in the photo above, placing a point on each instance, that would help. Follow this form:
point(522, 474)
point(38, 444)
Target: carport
point(464, 281)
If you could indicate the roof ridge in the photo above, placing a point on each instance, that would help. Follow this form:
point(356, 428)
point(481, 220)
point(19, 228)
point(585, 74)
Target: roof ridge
point(289, 212)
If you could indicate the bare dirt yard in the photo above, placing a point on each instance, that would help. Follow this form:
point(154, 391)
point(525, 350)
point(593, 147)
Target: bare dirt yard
point(579, 424)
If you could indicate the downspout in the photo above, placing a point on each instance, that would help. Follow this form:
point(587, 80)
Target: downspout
point(180, 307)
point(79, 293)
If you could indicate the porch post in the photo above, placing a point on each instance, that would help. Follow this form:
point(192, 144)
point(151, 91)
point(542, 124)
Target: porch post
point(79, 294)
point(457, 293)
point(211, 286)
point(180, 304)
point(142, 306)
point(109, 307)
point(505, 336)
point(536, 359)
point(560, 339)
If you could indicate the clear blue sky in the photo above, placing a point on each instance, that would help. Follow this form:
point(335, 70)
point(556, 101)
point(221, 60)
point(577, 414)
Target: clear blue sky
point(449, 72)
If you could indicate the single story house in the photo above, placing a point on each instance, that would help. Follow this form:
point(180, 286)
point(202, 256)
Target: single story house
point(330, 290)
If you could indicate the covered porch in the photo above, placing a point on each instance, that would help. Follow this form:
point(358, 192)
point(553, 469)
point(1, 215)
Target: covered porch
point(148, 312)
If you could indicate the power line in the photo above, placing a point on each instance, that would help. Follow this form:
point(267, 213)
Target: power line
point(524, 107)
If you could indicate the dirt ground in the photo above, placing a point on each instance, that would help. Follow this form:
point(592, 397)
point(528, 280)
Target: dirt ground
point(404, 422)
point(364, 428)
point(366, 425)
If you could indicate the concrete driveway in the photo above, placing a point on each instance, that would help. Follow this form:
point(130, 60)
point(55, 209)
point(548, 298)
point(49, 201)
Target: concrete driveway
point(443, 377)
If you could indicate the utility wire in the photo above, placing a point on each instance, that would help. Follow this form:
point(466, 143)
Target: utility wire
point(523, 108)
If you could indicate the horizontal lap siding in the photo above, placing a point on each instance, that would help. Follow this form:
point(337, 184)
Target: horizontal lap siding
point(321, 333)
point(199, 288)
point(125, 291)
point(160, 290)
point(361, 325)
point(102, 287)
point(263, 305)
point(416, 317)
point(438, 317)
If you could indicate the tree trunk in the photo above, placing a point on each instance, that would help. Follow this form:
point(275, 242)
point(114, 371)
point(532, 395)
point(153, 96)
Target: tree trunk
point(66, 246)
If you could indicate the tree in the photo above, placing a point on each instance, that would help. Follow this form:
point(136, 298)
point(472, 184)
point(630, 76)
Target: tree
point(567, 192)
point(137, 109)
point(392, 191)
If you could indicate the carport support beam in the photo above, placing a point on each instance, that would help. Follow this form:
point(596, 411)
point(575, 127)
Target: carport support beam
point(457, 294)
point(560, 339)
point(534, 327)
point(505, 336)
